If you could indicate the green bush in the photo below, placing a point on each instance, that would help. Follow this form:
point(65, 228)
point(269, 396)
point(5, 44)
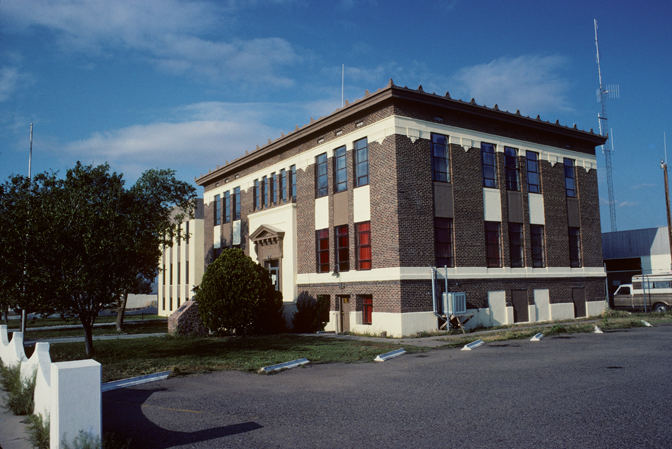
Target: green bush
point(237, 295)
point(311, 314)
point(20, 398)
point(38, 431)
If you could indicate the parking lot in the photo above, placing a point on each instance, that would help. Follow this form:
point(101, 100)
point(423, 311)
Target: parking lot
point(569, 391)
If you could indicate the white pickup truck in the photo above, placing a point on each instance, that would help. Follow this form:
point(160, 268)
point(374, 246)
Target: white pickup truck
point(647, 292)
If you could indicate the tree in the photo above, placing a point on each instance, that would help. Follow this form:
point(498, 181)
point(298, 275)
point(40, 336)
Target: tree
point(237, 295)
point(76, 245)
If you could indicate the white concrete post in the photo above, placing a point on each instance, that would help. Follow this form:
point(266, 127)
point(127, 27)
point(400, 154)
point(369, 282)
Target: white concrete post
point(76, 401)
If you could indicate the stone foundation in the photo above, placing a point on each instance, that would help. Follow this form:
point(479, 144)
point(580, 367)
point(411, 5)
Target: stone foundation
point(186, 321)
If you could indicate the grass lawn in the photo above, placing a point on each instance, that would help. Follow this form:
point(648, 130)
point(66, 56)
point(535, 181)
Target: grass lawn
point(15, 324)
point(145, 327)
point(122, 359)
point(611, 320)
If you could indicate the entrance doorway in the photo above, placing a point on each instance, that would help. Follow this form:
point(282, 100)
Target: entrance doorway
point(273, 267)
point(579, 298)
point(344, 308)
point(520, 308)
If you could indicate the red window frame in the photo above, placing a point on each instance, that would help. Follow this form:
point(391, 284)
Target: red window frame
point(322, 239)
point(367, 309)
point(363, 233)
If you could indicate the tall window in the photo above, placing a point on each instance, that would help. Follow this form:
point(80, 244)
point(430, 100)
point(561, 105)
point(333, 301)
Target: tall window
point(574, 247)
point(361, 162)
point(570, 178)
point(533, 179)
point(512, 172)
point(227, 207)
point(264, 190)
point(283, 185)
point(321, 177)
point(537, 241)
point(489, 165)
point(340, 170)
point(367, 308)
point(342, 248)
point(322, 237)
point(516, 245)
point(443, 241)
point(492, 244)
point(236, 203)
point(292, 181)
point(218, 216)
point(274, 189)
point(257, 203)
point(440, 158)
point(187, 234)
point(363, 231)
point(186, 272)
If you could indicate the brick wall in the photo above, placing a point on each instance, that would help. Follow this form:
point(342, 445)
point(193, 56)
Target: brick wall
point(468, 225)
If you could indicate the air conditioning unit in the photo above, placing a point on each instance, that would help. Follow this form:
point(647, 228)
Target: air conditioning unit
point(454, 303)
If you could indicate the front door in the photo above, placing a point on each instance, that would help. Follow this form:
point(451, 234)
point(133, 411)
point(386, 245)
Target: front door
point(273, 267)
point(579, 298)
point(344, 307)
point(520, 308)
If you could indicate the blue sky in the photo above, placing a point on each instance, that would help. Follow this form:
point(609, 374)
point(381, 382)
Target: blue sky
point(190, 84)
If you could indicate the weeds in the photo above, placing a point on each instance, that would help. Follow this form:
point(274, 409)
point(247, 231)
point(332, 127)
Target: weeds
point(20, 393)
point(38, 431)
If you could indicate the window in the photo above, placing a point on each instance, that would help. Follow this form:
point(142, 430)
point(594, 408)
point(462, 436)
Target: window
point(274, 189)
point(363, 245)
point(574, 247)
point(236, 203)
point(179, 235)
point(516, 245)
point(217, 213)
point(537, 240)
point(492, 245)
point(164, 276)
point(340, 170)
point(321, 178)
point(570, 178)
point(322, 250)
point(440, 158)
point(342, 248)
point(361, 162)
point(443, 241)
point(187, 234)
point(367, 308)
point(292, 181)
point(178, 274)
point(171, 274)
point(256, 204)
point(512, 173)
point(533, 179)
point(283, 185)
point(264, 190)
point(489, 164)
point(227, 208)
point(186, 273)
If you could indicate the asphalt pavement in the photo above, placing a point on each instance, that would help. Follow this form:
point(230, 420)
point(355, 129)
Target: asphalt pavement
point(568, 391)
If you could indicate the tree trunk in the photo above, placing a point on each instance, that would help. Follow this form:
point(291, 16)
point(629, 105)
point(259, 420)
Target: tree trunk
point(88, 339)
point(121, 310)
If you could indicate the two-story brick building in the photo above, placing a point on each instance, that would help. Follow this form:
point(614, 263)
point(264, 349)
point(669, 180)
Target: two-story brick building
point(360, 204)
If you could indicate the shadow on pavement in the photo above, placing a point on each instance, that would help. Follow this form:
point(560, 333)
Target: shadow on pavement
point(123, 415)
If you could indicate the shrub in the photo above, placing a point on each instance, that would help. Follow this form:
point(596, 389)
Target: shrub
point(311, 314)
point(237, 295)
point(20, 398)
point(38, 431)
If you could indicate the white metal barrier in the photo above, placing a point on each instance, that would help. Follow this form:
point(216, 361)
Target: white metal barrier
point(68, 393)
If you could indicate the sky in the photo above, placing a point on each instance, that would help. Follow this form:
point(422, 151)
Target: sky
point(189, 85)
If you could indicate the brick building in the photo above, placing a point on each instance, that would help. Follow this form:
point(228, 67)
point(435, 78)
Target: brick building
point(358, 205)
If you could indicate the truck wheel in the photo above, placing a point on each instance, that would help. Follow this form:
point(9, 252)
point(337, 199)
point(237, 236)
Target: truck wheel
point(660, 308)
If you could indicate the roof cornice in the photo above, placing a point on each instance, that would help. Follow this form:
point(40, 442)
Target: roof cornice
point(392, 93)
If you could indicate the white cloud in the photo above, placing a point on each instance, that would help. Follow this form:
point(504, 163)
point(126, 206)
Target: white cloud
point(12, 78)
point(529, 83)
point(196, 138)
point(171, 34)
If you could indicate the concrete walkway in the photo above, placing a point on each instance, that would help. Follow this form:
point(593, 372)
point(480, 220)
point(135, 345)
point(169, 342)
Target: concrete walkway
point(12, 428)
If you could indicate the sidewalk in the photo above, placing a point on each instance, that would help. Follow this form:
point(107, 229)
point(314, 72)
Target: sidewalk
point(12, 428)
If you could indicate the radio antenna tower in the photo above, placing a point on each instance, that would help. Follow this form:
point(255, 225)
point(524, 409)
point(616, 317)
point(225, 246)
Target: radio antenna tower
point(603, 92)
